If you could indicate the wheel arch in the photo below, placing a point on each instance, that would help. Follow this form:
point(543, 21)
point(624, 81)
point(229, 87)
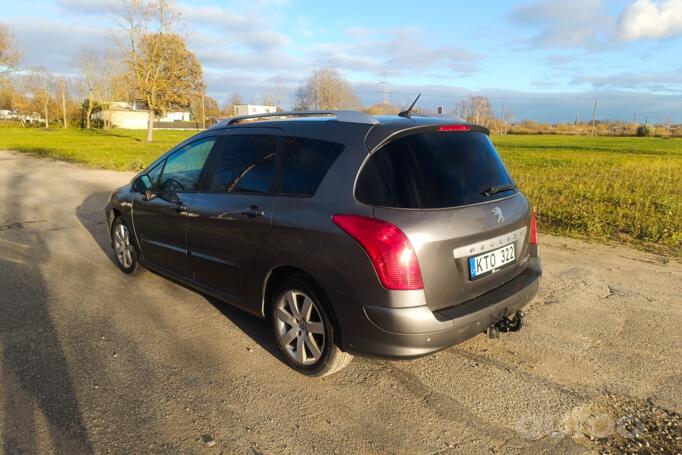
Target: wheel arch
point(278, 274)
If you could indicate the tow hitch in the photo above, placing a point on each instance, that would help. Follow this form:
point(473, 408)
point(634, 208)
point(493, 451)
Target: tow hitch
point(506, 324)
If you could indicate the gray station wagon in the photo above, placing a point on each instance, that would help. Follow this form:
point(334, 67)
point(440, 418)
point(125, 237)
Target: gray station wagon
point(394, 236)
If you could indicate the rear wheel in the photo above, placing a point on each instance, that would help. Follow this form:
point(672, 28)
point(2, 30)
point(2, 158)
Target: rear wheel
point(303, 329)
point(124, 248)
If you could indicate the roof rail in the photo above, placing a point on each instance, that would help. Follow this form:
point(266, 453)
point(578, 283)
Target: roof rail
point(341, 116)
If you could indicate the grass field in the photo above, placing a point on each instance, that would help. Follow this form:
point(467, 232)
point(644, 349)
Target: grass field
point(121, 150)
point(627, 190)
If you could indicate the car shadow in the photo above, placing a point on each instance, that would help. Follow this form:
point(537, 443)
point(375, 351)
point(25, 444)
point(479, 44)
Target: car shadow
point(90, 213)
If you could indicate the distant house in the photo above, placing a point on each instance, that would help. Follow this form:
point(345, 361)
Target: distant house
point(12, 115)
point(134, 116)
point(253, 109)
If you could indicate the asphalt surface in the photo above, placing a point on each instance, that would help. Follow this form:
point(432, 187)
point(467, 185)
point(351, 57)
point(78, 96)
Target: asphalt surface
point(92, 360)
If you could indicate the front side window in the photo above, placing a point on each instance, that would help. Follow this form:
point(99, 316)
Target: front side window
point(155, 173)
point(246, 165)
point(306, 162)
point(183, 168)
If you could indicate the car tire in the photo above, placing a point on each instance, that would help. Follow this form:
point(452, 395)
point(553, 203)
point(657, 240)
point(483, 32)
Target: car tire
point(125, 253)
point(303, 329)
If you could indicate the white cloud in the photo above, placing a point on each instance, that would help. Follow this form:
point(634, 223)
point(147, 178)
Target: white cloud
point(394, 52)
point(657, 82)
point(649, 19)
point(581, 24)
point(54, 44)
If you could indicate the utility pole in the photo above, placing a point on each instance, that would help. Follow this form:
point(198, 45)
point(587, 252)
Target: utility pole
point(594, 114)
point(203, 110)
point(634, 119)
point(384, 84)
point(577, 119)
point(502, 122)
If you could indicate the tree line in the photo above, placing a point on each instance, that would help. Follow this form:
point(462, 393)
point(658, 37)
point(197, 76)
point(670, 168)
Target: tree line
point(150, 63)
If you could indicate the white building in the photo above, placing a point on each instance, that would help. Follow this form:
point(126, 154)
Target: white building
point(135, 117)
point(12, 115)
point(253, 109)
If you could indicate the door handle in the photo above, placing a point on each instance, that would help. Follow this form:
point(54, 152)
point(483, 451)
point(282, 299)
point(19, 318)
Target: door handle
point(180, 208)
point(253, 211)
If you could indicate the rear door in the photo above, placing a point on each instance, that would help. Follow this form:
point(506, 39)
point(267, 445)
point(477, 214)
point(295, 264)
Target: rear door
point(452, 196)
point(230, 218)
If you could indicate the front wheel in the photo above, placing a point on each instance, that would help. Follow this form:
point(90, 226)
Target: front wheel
point(124, 247)
point(303, 329)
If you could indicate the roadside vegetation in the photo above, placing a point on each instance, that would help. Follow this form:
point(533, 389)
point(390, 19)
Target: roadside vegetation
point(120, 150)
point(621, 189)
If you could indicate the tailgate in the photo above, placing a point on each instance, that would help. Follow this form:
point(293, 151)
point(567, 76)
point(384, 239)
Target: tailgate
point(447, 189)
point(445, 240)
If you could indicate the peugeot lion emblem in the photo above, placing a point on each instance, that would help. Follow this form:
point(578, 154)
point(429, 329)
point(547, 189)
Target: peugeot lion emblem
point(498, 214)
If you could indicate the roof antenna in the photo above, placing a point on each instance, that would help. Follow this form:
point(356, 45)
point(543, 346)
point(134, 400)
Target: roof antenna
point(408, 112)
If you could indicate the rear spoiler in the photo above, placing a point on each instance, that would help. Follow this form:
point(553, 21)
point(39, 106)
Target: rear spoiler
point(381, 134)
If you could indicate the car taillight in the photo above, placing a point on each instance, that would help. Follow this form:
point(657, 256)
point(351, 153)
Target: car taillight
point(454, 128)
point(388, 248)
point(533, 230)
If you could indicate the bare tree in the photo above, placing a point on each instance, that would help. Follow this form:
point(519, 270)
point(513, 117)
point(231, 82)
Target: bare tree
point(40, 83)
point(326, 89)
point(228, 108)
point(212, 107)
point(9, 55)
point(90, 69)
point(161, 68)
point(476, 109)
point(383, 109)
point(270, 100)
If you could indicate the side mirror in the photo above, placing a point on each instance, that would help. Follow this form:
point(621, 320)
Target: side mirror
point(143, 184)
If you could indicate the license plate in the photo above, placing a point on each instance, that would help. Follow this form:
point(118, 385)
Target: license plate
point(491, 262)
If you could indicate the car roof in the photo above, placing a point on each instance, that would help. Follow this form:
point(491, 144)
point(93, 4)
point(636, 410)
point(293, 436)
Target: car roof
point(376, 129)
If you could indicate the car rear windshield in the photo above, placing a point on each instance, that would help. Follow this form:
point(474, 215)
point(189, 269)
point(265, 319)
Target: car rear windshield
point(433, 170)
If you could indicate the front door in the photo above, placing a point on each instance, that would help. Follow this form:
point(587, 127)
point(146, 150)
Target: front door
point(230, 218)
point(161, 220)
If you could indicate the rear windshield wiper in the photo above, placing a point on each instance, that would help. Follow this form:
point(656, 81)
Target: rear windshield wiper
point(498, 189)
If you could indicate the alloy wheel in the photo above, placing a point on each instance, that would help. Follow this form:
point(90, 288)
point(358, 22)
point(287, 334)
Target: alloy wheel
point(122, 246)
point(299, 327)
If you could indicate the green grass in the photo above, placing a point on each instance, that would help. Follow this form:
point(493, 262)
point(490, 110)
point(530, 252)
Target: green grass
point(626, 190)
point(623, 189)
point(121, 150)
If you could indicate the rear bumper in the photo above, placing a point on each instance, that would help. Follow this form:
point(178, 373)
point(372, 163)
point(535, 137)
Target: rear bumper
point(416, 331)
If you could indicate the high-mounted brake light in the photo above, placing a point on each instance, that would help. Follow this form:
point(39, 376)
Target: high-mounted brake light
point(533, 230)
point(454, 128)
point(389, 249)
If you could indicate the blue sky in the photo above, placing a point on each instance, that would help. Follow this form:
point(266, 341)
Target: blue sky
point(545, 60)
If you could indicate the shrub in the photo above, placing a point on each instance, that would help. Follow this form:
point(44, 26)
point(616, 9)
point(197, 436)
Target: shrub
point(646, 130)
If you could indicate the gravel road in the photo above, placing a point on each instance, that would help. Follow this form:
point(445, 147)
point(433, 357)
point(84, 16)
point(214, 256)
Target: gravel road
point(94, 361)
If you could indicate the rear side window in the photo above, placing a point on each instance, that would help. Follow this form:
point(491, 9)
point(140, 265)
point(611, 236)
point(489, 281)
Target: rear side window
point(433, 170)
point(306, 162)
point(245, 165)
